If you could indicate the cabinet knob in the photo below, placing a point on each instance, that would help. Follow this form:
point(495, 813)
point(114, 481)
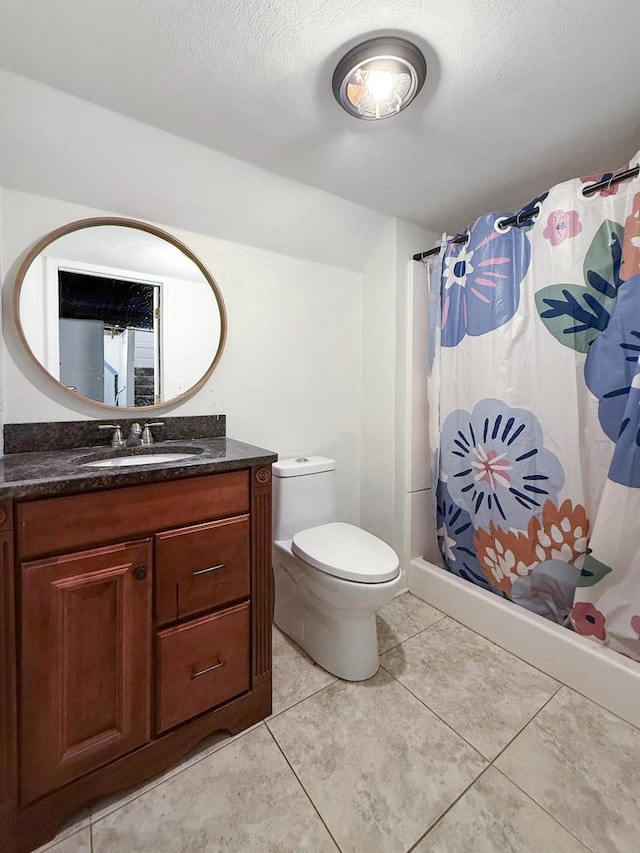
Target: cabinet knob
point(140, 573)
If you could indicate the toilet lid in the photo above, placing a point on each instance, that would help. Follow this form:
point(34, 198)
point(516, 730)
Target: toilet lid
point(347, 552)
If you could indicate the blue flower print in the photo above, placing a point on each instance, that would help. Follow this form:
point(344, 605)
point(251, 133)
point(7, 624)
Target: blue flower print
point(625, 464)
point(481, 279)
point(612, 373)
point(497, 466)
point(454, 533)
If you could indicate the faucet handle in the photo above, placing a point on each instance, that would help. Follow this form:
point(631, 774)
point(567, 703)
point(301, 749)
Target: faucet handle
point(116, 438)
point(147, 437)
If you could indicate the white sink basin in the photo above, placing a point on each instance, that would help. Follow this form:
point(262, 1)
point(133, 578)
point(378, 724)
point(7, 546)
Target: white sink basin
point(141, 459)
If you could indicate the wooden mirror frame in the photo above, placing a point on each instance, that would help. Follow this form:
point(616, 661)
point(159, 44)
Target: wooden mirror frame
point(93, 222)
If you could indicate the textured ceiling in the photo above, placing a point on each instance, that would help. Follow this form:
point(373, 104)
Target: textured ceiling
point(519, 94)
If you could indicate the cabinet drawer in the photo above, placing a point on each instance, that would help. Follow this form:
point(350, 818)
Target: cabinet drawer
point(201, 567)
point(202, 664)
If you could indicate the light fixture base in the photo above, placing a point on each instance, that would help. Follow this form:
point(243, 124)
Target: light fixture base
point(379, 77)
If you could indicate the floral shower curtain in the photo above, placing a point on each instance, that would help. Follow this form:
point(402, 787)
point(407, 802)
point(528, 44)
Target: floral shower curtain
point(535, 408)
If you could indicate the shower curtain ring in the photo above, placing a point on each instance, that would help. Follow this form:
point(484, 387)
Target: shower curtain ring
point(611, 180)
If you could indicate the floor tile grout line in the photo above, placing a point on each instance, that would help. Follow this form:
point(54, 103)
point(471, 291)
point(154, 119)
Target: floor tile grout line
point(222, 745)
point(433, 825)
point(419, 631)
point(147, 790)
point(502, 648)
point(513, 782)
point(540, 806)
point(306, 793)
point(533, 666)
point(491, 763)
point(528, 723)
point(519, 732)
point(303, 699)
point(435, 714)
point(526, 793)
point(559, 686)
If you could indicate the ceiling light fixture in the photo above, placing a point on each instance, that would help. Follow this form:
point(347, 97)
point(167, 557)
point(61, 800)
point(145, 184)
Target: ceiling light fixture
point(380, 77)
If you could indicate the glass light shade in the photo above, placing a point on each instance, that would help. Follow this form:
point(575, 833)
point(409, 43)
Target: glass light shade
point(379, 78)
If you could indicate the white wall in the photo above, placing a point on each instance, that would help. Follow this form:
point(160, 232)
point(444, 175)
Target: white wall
point(411, 414)
point(387, 324)
point(316, 360)
point(289, 378)
point(54, 144)
point(420, 530)
point(378, 428)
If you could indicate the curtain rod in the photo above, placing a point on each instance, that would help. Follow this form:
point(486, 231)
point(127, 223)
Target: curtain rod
point(526, 214)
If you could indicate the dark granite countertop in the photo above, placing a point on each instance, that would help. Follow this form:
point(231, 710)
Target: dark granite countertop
point(61, 472)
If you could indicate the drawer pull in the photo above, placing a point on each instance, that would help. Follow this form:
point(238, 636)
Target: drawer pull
point(196, 673)
point(207, 570)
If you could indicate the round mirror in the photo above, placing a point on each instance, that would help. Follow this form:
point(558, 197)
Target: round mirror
point(119, 312)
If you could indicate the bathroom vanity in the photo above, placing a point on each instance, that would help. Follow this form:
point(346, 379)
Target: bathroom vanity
point(135, 620)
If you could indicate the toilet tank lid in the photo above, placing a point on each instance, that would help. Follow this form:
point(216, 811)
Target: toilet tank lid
point(302, 465)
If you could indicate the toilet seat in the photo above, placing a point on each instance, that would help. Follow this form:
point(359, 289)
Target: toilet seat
point(346, 551)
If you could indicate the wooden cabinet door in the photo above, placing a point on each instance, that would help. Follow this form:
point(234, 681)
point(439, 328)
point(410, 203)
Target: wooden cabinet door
point(85, 662)
point(8, 735)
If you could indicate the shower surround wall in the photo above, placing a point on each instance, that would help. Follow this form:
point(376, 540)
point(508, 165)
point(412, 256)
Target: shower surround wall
point(388, 478)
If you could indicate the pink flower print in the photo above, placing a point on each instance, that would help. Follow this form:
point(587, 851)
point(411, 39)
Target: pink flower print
point(561, 225)
point(631, 243)
point(587, 620)
point(635, 624)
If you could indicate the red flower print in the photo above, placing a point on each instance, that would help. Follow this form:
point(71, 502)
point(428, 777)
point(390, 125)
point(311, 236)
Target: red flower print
point(503, 556)
point(635, 624)
point(561, 225)
point(587, 620)
point(562, 534)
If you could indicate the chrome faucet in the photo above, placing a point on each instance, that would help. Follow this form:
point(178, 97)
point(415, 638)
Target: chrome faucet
point(134, 439)
point(138, 436)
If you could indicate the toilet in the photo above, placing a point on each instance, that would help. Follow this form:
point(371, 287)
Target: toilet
point(330, 577)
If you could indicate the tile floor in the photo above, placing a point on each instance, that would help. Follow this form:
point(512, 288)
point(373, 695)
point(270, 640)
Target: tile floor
point(455, 746)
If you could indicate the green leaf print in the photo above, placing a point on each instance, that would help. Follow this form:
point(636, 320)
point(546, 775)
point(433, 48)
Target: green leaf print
point(576, 314)
point(593, 571)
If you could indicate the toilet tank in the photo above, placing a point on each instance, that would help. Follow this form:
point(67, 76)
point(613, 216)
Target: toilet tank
point(304, 494)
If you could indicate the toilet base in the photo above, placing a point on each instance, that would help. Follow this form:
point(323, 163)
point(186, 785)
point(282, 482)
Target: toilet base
point(333, 620)
point(327, 643)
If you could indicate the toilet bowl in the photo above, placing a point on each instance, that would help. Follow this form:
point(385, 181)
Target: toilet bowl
point(330, 577)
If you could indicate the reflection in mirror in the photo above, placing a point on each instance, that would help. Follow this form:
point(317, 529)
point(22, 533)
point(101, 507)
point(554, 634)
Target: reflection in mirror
point(122, 314)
